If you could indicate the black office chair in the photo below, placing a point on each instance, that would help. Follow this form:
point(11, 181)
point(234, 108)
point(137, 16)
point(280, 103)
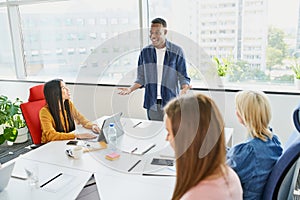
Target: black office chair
point(280, 179)
point(296, 118)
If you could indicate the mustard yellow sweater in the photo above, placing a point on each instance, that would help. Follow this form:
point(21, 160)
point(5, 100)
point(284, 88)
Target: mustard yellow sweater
point(49, 132)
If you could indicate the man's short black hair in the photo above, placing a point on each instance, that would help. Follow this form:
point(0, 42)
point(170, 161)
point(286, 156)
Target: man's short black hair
point(159, 21)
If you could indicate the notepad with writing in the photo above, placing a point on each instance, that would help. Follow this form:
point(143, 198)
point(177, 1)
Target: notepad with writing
point(94, 146)
point(139, 149)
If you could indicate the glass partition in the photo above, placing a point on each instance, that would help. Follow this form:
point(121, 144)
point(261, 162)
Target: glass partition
point(7, 67)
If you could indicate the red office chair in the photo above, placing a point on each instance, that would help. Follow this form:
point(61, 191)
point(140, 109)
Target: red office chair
point(30, 111)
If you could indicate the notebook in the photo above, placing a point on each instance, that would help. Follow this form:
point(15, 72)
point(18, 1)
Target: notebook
point(5, 173)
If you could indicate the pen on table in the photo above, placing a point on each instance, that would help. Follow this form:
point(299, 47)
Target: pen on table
point(131, 168)
point(134, 150)
point(19, 177)
point(149, 149)
point(136, 124)
point(52, 179)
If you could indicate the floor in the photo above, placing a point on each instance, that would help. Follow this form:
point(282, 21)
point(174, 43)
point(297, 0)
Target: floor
point(89, 192)
point(9, 152)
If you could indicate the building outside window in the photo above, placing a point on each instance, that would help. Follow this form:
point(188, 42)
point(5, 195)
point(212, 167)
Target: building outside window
point(88, 41)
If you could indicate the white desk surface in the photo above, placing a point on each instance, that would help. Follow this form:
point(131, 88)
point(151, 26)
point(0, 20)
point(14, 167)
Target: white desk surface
point(54, 153)
point(133, 187)
point(72, 182)
point(112, 177)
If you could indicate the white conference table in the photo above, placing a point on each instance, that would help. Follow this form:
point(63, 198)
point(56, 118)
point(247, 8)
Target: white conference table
point(66, 186)
point(112, 177)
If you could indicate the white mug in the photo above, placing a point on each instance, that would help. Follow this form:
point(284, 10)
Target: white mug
point(77, 152)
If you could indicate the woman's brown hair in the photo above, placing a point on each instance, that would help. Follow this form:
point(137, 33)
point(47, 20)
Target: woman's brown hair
point(199, 141)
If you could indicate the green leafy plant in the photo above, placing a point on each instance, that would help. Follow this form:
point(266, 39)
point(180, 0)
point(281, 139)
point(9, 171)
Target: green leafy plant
point(296, 70)
point(223, 66)
point(11, 118)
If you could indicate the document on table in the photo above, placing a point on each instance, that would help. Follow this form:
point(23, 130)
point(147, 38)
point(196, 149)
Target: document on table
point(59, 183)
point(139, 148)
point(158, 170)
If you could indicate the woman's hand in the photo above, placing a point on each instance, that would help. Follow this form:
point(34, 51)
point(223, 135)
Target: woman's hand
point(95, 128)
point(85, 136)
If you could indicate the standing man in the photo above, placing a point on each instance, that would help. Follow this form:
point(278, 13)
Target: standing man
point(161, 70)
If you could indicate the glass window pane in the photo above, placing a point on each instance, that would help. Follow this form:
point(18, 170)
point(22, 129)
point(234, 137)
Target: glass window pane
point(252, 36)
point(85, 41)
point(7, 68)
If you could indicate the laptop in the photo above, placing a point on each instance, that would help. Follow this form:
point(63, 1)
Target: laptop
point(5, 173)
point(116, 119)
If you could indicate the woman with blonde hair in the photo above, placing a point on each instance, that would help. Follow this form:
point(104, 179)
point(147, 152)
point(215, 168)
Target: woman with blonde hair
point(196, 132)
point(254, 159)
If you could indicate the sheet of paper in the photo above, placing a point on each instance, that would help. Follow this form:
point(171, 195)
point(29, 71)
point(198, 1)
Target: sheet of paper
point(158, 170)
point(139, 148)
point(59, 183)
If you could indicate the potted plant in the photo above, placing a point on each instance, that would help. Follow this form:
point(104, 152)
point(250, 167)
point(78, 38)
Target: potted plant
point(223, 66)
point(11, 120)
point(296, 70)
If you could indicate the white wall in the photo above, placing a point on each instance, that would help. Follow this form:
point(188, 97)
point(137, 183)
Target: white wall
point(96, 101)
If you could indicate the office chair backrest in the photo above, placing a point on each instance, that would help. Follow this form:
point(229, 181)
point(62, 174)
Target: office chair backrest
point(296, 118)
point(296, 133)
point(30, 111)
point(282, 167)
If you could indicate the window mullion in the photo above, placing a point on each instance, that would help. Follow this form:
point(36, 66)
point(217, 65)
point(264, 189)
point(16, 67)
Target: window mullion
point(17, 40)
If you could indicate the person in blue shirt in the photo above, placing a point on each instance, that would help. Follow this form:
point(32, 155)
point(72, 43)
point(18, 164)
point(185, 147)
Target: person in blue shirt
point(161, 70)
point(254, 159)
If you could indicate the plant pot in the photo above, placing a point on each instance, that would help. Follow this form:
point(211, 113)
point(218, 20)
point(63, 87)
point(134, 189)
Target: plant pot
point(222, 80)
point(22, 135)
point(297, 83)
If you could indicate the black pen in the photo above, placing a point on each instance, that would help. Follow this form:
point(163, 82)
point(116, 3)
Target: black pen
point(136, 124)
point(134, 150)
point(149, 149)
point(19, 177)
point(52, 179)
point(134, 165)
